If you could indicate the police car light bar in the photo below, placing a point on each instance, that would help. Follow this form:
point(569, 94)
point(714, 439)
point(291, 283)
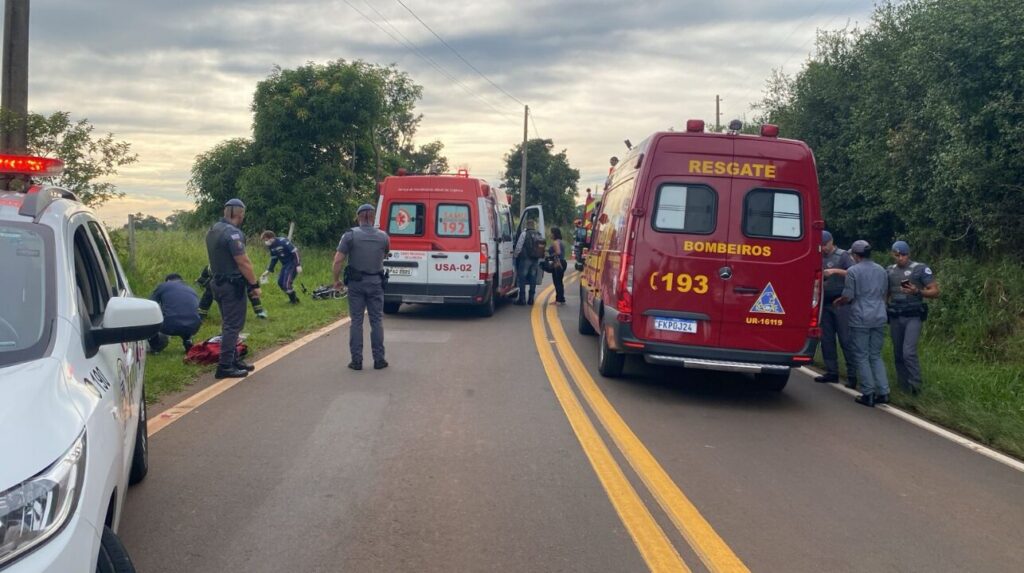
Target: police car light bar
point(28, 165)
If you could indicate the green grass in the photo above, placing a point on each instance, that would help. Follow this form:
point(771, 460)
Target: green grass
point(162, 252)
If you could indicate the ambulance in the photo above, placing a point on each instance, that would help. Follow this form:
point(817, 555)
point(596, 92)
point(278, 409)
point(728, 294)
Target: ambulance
point(706, 255)
point(452, 240)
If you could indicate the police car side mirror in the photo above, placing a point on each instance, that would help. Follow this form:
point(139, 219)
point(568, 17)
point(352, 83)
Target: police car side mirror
point(128, 319)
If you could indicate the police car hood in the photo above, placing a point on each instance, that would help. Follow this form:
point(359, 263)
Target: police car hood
point(38, 420)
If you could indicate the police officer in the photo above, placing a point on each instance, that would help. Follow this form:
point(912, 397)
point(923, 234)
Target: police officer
point(365, 248)
point(233, 275)
point(910, 283)
point(865, 292)
point(835, 320)
point(281, 249)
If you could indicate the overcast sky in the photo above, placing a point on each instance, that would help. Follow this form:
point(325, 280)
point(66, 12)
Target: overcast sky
point(175, 77)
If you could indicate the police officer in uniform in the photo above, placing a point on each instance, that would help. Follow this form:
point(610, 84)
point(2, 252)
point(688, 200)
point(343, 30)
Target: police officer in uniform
point(365, 248)
point(865, 292)
point(281, 249)
point(233, 275)
point(835, 320)
point(910, 283)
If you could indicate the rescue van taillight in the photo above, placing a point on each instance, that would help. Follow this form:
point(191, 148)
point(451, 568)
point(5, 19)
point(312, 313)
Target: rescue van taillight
point(484, 275)
point(816, 300)
point(624, 304)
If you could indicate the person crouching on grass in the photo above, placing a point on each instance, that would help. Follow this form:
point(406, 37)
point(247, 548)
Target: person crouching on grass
point(281, 249)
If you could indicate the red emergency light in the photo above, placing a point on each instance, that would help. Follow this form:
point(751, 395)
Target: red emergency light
point(463, 173)
point(28, 165)
point(769, 130)
point(695, 126)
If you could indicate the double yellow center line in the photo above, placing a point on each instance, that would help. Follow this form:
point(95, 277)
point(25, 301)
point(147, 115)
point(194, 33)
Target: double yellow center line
point(654, 545)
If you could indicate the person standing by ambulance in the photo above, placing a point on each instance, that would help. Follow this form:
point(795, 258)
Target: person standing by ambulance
point(865, 291)
point(910, 283)
point(281, 249)
point(556, 254)
point(233, 274)
point(835, 320)
point(365, 247)
point(528, 252)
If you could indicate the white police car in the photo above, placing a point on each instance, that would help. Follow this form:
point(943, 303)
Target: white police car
point(72, 405)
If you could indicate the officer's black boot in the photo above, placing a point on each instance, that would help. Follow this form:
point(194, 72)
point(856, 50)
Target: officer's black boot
point(243, 365)
point(230, 372)
point(293, 298)
point(866, 400)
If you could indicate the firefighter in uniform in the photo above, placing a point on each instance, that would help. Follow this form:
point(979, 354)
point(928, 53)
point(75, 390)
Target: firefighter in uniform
point(365, 248)
point(910, 283)
point(233, 275)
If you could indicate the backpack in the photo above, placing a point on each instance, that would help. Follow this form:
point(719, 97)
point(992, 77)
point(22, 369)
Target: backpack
point(208, 352)
point(534, 246)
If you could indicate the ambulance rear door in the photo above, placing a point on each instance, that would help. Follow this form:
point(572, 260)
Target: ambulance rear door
point(405, 222)
point(454, 258)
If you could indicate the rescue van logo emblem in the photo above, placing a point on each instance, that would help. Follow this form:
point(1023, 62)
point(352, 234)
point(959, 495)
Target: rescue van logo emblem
point(403, 219)
point(768, 302)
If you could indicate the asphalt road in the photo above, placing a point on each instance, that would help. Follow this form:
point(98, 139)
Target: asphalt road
point(461, 457)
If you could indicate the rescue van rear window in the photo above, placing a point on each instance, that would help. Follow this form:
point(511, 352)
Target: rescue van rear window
point(452, 220)
point(686, 209)
point(773, 213)
point(406, 219)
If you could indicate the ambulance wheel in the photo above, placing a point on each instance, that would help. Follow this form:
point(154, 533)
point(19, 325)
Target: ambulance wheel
point(610, 363)
point(140, 457)
point(392, 307)
point(113, 557)
point(584, 325)
point(773, 382)
point(487, 308)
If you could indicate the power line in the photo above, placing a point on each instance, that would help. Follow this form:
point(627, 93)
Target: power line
point(425, 58)
point(456, 52)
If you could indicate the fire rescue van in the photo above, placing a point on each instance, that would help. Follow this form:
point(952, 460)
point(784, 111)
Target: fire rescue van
point(451, 240)
point(706, 254)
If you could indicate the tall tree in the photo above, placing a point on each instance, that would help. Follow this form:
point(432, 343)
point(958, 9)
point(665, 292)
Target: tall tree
point(88, 158)
point(550, 180)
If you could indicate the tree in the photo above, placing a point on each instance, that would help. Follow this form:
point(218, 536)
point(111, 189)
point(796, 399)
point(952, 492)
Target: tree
point(323, 135)
point(87, 158)
point(550, 180)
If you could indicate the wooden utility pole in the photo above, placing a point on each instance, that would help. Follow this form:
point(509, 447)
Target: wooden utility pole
point(522, 175)
point(718, 114)
point(131, 241)
point(14, 95)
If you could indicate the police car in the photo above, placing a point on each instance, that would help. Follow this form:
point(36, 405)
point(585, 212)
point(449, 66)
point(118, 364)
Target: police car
point(72, 403)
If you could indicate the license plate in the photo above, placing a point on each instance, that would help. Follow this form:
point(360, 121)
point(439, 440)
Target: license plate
point(683, 325)
point(401, 271)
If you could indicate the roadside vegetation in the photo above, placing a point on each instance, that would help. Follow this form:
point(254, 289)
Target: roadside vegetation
point(160, 253)
point(917, 123)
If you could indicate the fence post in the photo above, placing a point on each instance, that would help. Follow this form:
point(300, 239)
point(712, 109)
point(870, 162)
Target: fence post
point(131, 241)
point(291, 230)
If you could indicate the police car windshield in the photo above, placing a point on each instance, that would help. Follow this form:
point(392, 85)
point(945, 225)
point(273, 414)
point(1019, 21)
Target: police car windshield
point(24, 258)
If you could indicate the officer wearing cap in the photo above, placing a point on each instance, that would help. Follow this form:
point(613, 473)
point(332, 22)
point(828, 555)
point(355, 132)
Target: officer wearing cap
point(865, 290)
point(835, 320)
point(910, 283)
point(365, 248)
point(233, 275)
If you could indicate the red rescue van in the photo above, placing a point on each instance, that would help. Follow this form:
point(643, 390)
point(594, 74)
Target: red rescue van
point(706, 254)
point(451, 240)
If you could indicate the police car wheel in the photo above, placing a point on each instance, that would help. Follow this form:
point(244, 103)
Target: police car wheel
point(392, 307)
point(584, 325)
point(610, 363)
point(140, 456)
point(113, 557)
point(773, 382)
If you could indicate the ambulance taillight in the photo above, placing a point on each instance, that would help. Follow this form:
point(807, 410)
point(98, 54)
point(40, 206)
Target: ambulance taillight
point(816, 302)
point(484, 258)
point(624, 289)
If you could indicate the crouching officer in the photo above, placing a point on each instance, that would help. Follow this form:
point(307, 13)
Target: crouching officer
point(365, 248)
point(909, 284)
point(233, 275)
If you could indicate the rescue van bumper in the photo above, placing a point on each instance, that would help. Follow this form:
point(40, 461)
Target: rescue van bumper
point(621, 339)
point(437, 294)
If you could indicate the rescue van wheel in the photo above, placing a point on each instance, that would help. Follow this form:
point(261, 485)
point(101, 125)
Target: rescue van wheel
point(487, 308)
point(610, 363)
point(773, 382)
point(392, 307)
point(113, 557)
point(584, 325)
point(140, 456)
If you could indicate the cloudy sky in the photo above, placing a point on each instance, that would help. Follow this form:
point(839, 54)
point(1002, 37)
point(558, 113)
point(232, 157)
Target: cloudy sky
point(174, 77)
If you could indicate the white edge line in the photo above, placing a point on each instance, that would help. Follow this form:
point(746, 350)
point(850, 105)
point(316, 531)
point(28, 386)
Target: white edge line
point(186, 406)
point(933, 428)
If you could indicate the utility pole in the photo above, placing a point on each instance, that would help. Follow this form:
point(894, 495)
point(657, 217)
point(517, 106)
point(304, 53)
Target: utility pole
point(14, 77)
point(522, 175)
point(718, 114)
